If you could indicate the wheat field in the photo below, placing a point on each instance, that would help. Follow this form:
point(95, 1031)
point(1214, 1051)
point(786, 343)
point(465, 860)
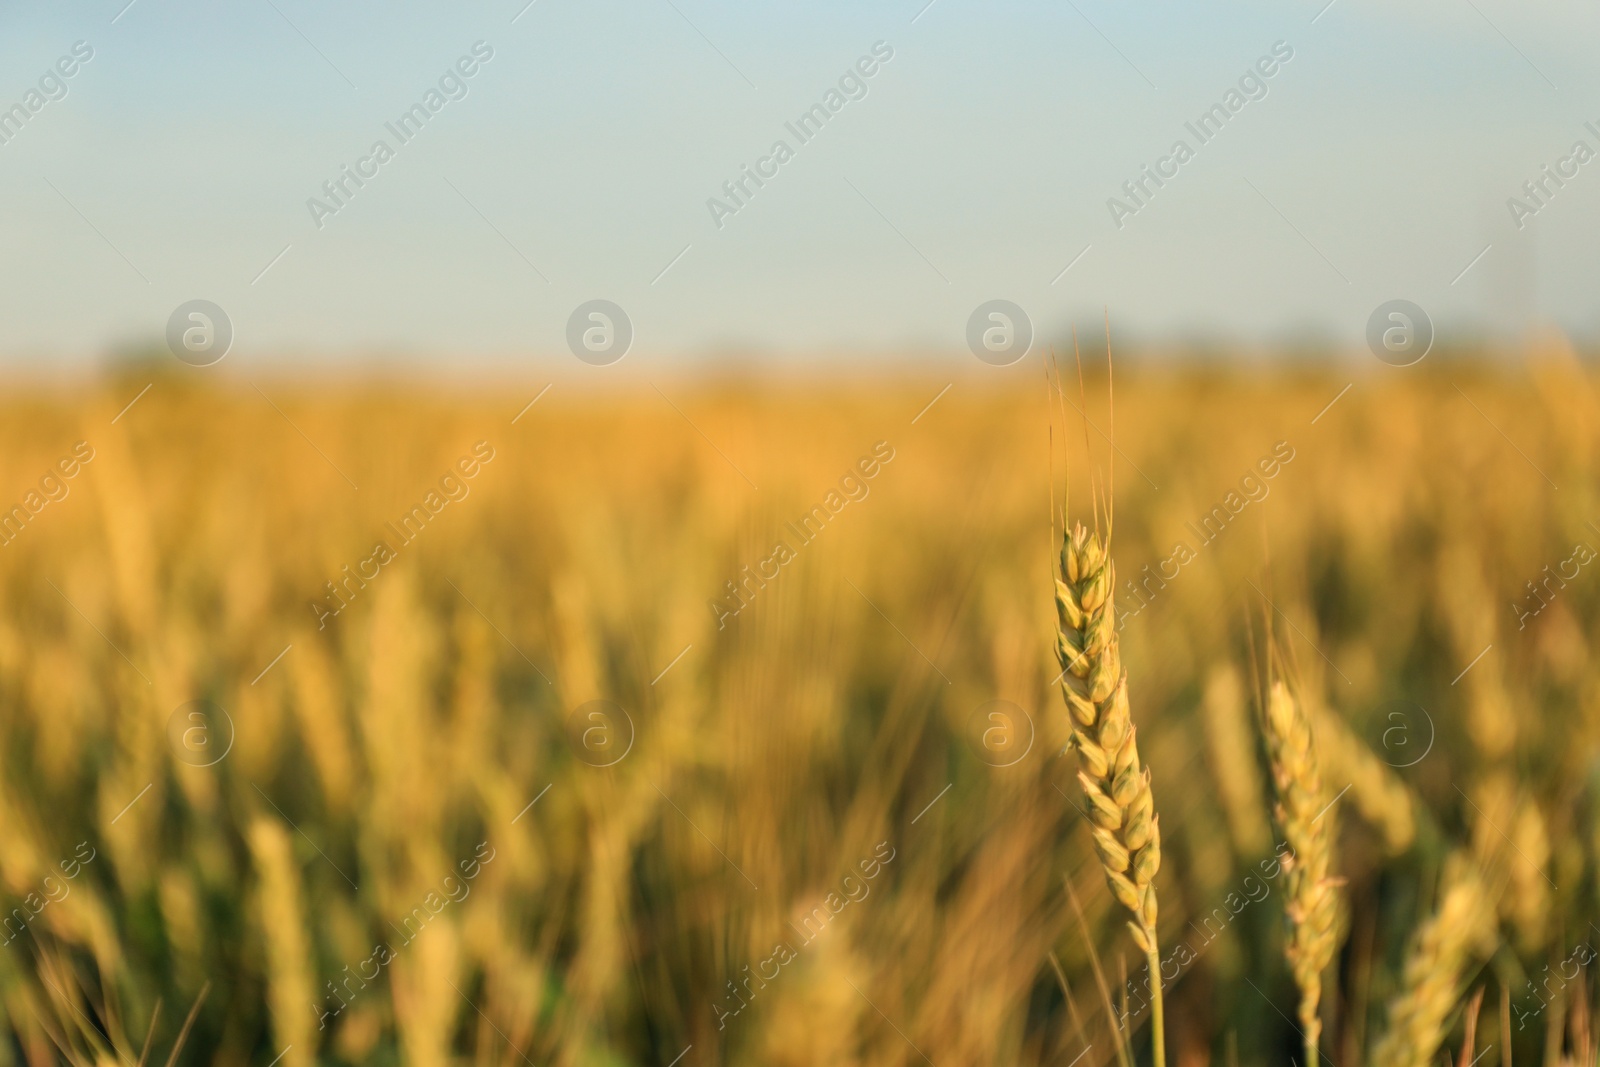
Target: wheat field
point(702, 723)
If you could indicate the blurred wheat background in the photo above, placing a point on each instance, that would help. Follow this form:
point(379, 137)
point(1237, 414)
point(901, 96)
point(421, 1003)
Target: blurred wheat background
point(402, 833)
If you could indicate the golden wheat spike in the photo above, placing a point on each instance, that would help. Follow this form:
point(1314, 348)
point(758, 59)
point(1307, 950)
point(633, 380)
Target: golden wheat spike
point(1381, 796)
point(1094, 683)
point(290, 990)
point(1306, 819)
point(1462, 927)
point(1510, 834)
point(424, 977)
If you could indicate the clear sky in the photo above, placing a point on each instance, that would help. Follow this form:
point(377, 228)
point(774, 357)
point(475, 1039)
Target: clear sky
point(974, 163)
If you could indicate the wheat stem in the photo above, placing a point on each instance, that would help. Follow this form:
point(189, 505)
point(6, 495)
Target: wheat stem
point(1158, 1014)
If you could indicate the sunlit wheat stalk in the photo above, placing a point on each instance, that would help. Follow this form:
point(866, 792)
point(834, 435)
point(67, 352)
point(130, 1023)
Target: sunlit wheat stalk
point(1521, 849)
point(1463, 925)
point(1126, 830)
point(283, 932)
point(1380, 794)
point(1306, 819)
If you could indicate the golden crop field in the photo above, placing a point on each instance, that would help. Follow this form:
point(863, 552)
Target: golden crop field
point(723, 724)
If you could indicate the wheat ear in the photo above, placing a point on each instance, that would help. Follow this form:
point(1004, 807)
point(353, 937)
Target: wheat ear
point(1381, 795)
point(1126, 830)
point(1525, 904)
point(291, 993)
point(1463, 926)
point(1306, 821)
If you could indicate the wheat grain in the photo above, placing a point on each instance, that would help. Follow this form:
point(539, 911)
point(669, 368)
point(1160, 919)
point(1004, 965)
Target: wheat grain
point(1094, 683)
point(1306, 819)
point(1462, 927)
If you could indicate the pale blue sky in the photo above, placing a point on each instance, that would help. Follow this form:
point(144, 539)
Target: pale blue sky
point(977, 166)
